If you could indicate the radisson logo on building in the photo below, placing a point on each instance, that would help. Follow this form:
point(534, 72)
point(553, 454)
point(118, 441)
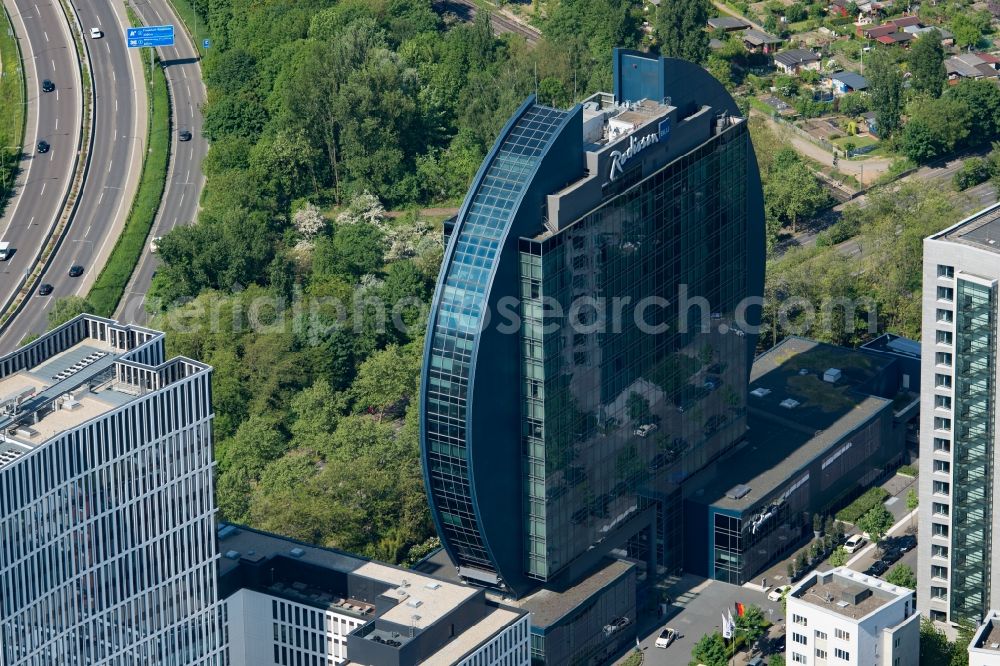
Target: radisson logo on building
point(619, 158)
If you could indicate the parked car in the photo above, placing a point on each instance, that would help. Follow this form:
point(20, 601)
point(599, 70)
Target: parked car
point(854, 543)
point(665, 638)
point(906, 543)
point(645, 429)
point(877, 568)
point(778, 592)
point(616, 625)
point(891, 555)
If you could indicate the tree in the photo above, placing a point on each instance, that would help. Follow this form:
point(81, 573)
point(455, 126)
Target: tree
point(982, 98)
point(885, 87)
point(308, 221)
point(926, 62)
point(751, 624)
point(710, 650)
point(66, 308)
point(681, 27)
point(838, 557)
point(935, 127)
point(854, 104)
point(912, 502)
point(794, 193)
point(960, 653)
point(776, 660)
point(876, 522)
point(638, 407)
point(935, 649)
point(387, 378)
point(903, 576)
point(967, 31)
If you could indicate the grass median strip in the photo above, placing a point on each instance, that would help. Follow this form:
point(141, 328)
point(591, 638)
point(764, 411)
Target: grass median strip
point(12, 96)
point(111, 283)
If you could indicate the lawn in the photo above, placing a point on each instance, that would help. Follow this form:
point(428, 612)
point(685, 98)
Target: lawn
point(11, 108)
point(859, 141)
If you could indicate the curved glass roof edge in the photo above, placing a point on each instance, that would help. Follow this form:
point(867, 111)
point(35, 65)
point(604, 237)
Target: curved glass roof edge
point(484, 220)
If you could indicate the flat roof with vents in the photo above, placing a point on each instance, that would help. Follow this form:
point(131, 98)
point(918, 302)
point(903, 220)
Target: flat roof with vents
point(980, 230)
point(847, 592)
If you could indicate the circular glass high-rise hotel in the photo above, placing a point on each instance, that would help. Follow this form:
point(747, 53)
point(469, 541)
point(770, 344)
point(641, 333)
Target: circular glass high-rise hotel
point(591, 334)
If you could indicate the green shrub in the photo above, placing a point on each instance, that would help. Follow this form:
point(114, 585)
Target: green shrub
point(863, 504)
point(907, 470)
point(974, 171)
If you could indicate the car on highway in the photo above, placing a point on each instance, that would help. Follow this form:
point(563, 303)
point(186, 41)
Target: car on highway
point(44, 289)
point(95, 33)
point(42, 146)
point(665, 638)
point(184, 135)
point(76, 270)
point(854, 544)
point(616, 625)
point(778, 592)
point(154, 244)
point(48, 86)
point(5, 251)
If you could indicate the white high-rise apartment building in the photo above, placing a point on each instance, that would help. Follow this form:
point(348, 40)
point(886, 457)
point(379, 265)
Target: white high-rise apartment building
point(107, 537)
point(846, 618)
point(958, 412)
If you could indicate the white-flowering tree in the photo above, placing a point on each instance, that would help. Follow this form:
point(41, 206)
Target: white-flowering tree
point(308, 221)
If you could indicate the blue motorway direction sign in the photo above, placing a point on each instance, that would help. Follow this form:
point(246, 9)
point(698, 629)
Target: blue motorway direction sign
point(206, 43)
point(151, 35)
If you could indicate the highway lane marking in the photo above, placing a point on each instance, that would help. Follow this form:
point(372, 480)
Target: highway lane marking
point(113, 77)
point(57, 122)
point(108, 46)
point(46, 35)
point(99, 200)
point(98, 19)
point(53, 65)
point(116, 105)
point(110, 162)
point(57, 94)
point(87, 232)
point(42, 191)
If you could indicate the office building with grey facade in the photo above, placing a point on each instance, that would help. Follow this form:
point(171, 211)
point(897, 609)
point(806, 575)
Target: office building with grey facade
point(958, 434)
point(107, 538)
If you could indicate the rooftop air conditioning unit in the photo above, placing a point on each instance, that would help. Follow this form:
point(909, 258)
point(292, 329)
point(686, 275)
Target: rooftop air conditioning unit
point(832, 375)
point(789, 403)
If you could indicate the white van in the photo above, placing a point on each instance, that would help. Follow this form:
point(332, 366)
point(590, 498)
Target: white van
point(4, 250)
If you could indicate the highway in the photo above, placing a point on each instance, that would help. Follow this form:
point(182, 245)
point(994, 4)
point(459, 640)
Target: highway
point(119, 141)
point(185, 179)
point(48, 52)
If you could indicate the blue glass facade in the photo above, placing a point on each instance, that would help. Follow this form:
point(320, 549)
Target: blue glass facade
point(543, 437)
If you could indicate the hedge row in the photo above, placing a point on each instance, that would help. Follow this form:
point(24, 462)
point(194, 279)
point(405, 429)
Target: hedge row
point(862, 505)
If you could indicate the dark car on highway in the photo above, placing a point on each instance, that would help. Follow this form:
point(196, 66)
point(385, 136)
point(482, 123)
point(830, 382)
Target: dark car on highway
point(48, 86)
point(43, 147)
point(184, 135)
point(44, 289)
point(76, 270)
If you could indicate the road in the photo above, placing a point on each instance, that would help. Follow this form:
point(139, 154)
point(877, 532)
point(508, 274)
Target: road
point(500, 20)
point(185, 179)
point(48, 52)
point(116, 162)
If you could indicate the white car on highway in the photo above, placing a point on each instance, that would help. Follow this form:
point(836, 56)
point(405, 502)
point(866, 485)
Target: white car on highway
point(778, 592)
point(95, 33)
point(854, 544)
